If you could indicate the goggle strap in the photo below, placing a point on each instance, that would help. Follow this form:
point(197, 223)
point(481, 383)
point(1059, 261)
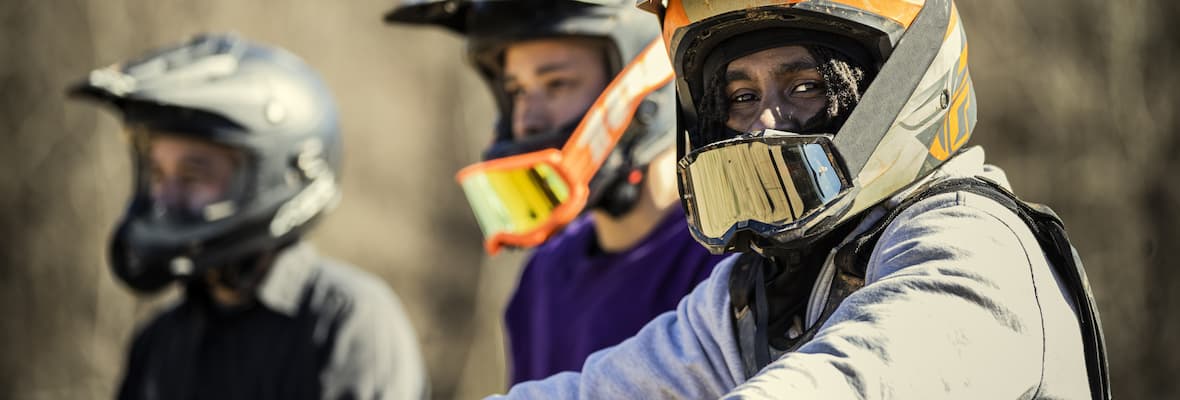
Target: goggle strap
point(608, 118)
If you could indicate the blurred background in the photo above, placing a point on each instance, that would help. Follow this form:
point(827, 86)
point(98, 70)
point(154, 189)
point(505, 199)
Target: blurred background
point(1077, 101)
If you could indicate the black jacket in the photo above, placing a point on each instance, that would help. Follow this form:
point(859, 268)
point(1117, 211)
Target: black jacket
point(318, 330)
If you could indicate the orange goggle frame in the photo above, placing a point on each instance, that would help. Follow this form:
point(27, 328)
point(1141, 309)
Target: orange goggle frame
point(522, 200)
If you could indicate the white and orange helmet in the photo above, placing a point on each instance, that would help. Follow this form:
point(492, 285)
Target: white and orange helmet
point(770, 188)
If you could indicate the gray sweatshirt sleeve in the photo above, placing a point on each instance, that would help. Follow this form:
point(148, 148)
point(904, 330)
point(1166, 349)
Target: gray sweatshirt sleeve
point(687, 353)
point(949, 311)
point(375, 353)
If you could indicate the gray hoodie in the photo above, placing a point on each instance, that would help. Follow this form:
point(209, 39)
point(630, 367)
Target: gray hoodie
point(959, 303)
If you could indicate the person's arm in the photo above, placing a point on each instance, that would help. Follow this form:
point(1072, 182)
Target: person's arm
point(376, 353)
point(687, 353)
point(949, 311)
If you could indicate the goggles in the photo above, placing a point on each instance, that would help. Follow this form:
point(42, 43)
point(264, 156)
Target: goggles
point(760, 185)
point(522, 200)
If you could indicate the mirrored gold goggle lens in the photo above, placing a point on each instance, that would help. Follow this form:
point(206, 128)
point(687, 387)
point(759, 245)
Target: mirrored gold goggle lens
point(514, 200)
point(775, 183)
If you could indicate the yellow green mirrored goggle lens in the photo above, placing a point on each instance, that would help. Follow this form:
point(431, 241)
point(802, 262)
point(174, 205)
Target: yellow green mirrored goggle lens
point(514, 201)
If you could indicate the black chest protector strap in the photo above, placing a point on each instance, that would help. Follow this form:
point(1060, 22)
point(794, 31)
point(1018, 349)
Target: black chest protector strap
point(764, 316)
point(851, 260)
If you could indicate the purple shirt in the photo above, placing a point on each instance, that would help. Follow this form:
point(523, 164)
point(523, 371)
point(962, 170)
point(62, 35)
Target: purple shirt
point(574, 300)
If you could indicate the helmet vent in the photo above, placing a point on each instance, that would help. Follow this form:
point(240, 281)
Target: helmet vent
point(275, 113)
point(181, 266)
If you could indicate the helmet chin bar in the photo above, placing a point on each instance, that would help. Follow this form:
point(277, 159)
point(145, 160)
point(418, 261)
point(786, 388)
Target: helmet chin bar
point(147, 253)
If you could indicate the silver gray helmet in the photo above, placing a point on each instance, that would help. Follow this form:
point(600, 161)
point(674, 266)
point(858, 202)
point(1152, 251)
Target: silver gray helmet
point(261, 101)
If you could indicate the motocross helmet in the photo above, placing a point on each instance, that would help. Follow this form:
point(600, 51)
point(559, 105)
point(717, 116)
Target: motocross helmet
point(757, 190)
point(527, 189)
point(260, 101)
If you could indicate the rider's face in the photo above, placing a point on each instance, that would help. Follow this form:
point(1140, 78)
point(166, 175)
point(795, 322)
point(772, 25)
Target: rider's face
point(551, 82)
point(778, 88)
point(188, 174)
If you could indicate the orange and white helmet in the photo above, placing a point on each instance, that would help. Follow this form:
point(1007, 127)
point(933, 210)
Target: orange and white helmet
point(771, 188)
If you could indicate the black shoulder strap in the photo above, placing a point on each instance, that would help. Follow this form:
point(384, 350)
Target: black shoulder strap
point(1050, 233)
point(746, 283)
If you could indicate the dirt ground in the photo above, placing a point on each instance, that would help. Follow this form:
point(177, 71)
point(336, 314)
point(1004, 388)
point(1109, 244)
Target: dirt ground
point(1077, 102)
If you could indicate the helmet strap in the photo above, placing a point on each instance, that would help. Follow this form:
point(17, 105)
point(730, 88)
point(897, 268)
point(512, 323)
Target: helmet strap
point(623, 191)
point(623, 181)
point(247, 272)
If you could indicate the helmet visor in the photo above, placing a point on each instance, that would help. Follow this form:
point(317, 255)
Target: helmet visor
point(186, 180)
point(761, 184)
point(520, 200)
